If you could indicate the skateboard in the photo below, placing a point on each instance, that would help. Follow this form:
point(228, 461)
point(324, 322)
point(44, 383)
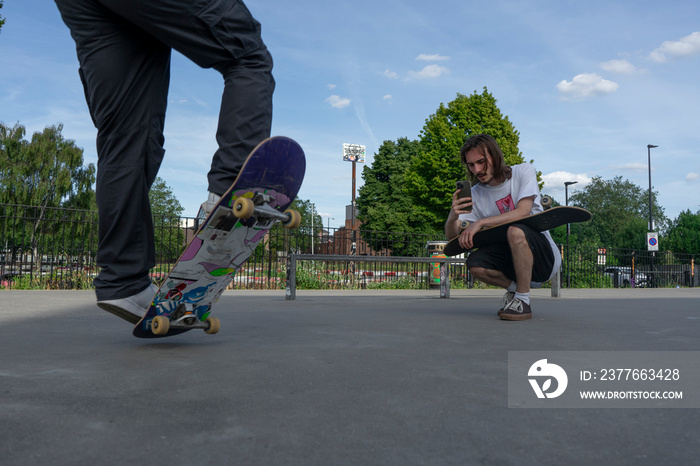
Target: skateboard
point(541, 221)
point(267, 184)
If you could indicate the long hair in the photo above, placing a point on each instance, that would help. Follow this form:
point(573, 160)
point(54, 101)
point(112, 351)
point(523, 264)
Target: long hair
point(489, 148)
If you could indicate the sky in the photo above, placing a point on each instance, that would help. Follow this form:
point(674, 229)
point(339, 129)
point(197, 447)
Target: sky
point(588, 85)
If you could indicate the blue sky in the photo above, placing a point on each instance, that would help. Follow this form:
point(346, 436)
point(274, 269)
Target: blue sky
point(587, 84)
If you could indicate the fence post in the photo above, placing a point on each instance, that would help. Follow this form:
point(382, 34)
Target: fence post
point(444, 279)
point(291, 289)
point(556, 284)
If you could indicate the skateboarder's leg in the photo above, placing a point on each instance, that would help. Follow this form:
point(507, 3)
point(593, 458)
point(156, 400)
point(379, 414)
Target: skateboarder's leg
point(125, 73)
point(245, 117)
point(219, 34)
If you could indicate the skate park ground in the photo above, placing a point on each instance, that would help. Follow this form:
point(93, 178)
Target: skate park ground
point(367, 377)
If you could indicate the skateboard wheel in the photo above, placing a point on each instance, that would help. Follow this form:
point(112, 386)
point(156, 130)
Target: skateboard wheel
point(214, 325)
point(294, 218)
point(243, 208)
point(546, 202)
point(160, 325)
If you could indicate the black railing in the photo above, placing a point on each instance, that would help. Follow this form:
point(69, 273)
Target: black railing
point(592, 267)
point(50, 248)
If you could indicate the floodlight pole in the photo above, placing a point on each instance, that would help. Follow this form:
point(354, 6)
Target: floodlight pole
point(353, 153)
point(354, 177)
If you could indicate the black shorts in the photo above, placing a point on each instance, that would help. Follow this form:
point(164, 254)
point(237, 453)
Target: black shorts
point(499, 257)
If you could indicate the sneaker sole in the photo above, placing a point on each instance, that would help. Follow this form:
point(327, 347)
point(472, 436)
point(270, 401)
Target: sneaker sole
point(120, 312)
point(505, 316)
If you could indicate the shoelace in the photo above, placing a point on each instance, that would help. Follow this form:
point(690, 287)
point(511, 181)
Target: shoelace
point(515, 306)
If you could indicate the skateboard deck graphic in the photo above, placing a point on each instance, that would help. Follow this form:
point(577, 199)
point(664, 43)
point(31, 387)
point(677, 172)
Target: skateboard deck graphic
point(541, 221)
point(267, 184)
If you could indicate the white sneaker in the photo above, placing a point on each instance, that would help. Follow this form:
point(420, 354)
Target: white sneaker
point(132, 308)
point(208, 205)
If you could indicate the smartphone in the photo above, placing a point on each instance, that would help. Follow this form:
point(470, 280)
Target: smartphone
point(465, 190)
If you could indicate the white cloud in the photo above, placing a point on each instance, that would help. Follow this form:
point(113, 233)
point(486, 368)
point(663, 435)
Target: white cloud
point(429, 72)
point(634, 167)
point(331, 86)
point(390, 74)
point(388, 97)
point(586, 85)
point(338, 102)
point(434, 57)
point(692, 176)
point(554, 183)
point(619, 66)
point(684, 47)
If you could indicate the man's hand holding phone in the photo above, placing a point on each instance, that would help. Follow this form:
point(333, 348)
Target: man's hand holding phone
point(462, 198)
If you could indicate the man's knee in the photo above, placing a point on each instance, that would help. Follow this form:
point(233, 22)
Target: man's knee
point(515, 232)
point(516, 236)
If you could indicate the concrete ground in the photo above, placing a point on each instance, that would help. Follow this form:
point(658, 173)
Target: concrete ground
point(369, 377)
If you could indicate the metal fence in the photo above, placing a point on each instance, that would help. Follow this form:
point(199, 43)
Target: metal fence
point(597, 267)
point(50, 248)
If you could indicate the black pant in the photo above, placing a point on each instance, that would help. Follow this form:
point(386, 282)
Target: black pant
point(499, 257)
point(124, 49)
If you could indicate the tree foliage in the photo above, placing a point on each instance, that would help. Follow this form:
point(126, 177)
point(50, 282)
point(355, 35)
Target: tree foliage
point(383, 203)
point(47, 171)
point(44, 173)
point(620, 212)
point(166, 211)
point(430, 180)
point(683, 236)
point(163, 201)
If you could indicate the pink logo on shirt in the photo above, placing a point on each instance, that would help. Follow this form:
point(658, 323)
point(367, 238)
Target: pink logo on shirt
point(506, 204)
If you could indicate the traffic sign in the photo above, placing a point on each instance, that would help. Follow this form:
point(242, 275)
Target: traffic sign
point(652, 241)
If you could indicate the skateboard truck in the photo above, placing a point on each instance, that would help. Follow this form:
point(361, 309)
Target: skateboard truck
point(184, 317)
point(245, 208)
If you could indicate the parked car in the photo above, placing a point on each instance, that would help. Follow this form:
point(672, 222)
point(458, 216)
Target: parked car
point(624, 276)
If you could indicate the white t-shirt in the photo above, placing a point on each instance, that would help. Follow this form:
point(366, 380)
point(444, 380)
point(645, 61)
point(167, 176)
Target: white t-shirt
point(489, 201)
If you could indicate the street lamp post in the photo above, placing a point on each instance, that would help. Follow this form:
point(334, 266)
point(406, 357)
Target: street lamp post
point(568, 229)
point(651, 221)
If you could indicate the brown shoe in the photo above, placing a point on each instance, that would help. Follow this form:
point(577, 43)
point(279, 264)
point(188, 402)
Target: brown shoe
point(508, 297)
point(516, 310)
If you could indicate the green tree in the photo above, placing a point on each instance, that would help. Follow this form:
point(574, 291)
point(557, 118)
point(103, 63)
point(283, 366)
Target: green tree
point(620, 212)
point(166, 211)
point(430, 180)
point(683, 235)
point(44, 173)
point(383, 203)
